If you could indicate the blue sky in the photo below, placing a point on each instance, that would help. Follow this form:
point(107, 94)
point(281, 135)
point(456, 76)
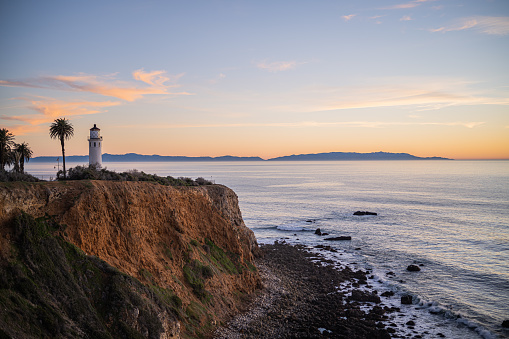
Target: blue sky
point(263, 78)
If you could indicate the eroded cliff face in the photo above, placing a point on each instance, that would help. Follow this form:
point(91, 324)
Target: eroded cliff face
point(191, 242)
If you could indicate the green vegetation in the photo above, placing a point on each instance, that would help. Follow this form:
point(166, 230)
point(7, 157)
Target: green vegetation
point(14, 176)
point(222, 260)
point(50, 288)
point(196, 273)
point(92, 172)
point(13, 154)
point(195, 314)
point(167, 251)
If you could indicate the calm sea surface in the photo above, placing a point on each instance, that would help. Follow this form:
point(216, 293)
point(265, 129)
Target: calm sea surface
point(450, 216)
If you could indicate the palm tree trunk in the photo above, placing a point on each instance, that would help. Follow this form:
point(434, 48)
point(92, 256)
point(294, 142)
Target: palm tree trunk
point(63, 155)
point(22, 165)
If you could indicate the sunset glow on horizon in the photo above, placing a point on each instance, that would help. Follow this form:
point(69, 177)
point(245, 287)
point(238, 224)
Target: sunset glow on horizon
point(268, 79)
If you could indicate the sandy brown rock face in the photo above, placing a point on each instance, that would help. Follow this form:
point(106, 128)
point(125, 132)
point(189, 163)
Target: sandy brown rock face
point(157, 234)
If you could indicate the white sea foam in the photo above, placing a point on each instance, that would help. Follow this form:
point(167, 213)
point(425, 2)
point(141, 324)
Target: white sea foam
point(291, 227)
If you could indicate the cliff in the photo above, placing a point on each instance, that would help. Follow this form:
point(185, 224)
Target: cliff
point(140, 258)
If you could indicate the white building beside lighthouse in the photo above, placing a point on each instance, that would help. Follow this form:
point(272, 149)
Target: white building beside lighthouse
point(94, 147)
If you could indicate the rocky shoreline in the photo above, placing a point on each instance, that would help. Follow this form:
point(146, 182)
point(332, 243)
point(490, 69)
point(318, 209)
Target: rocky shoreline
point(304, 297)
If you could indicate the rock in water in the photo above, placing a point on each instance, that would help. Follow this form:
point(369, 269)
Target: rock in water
point(318, 232)
point(364, 213)
point(339, 238)
point(413, 268)
point(505, 323)
point(406, 300)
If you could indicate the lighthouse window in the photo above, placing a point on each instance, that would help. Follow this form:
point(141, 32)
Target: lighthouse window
point(94, 143)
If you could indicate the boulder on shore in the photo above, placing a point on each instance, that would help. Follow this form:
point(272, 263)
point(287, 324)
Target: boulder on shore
point(365, 213)
point(339, 238)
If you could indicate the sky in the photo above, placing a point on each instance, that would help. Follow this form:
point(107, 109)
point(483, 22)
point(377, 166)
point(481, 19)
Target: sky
point(259, 78)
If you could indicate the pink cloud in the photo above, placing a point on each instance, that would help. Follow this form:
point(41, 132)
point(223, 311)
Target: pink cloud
point(349, 17)
point(483, 24)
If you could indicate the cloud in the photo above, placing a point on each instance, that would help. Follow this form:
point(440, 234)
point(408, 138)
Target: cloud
point(278, 65)
point(405, 18)
point(417, 94)
point(407, 5)
point(422, 99)
point(349, 17)
point(218, 78)
point(483, 24)
point(48, 109)
point(104, 85)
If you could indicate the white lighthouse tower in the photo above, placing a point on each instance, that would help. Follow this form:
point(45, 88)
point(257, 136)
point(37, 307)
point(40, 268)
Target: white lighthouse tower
point(94, 147)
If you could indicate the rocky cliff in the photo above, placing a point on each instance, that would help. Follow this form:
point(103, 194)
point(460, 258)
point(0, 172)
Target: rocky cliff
point(121, 259)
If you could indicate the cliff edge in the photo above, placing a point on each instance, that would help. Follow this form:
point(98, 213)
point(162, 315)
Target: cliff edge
point(143, 260)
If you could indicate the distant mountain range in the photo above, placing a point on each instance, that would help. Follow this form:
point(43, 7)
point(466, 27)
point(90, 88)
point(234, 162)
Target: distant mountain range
point(332, 156)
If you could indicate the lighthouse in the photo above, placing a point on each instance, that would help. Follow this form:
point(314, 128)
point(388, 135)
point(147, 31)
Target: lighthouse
point(94, 147)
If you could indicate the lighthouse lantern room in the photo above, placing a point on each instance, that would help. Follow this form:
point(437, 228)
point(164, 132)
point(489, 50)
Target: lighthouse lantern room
point(94, 147)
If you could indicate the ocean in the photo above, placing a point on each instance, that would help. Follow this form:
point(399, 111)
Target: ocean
point(451, 218)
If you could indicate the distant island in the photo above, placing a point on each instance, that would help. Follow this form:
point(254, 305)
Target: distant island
point(353, 156)
point(332, 156)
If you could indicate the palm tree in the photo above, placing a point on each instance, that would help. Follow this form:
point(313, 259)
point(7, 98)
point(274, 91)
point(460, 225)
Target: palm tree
point(24, 153)
point(14, 160)
point(6, 142)
point(61, 129)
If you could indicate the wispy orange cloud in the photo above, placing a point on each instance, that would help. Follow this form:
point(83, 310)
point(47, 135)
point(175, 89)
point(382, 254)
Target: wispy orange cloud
point(277, 66)
point(48, 109)
point(104, 85)
point(484, 24)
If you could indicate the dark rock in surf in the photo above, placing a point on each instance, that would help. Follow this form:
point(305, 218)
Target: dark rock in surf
point(406, 300)
point(359, 295)
point(318, 232)
point(387, 294)
point(339, 238)
point(505, 323)
point(413, 268)
point(365, 213)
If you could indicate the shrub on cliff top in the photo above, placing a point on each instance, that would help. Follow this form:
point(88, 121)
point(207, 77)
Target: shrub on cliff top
point(6, 176)
point(92, 172)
